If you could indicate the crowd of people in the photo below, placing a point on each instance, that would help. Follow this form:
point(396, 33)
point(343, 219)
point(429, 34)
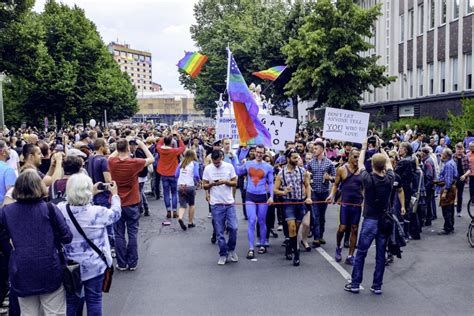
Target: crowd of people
point(78, 194)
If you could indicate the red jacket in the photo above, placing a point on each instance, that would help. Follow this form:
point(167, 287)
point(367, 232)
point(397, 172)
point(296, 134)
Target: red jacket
point(168, 161)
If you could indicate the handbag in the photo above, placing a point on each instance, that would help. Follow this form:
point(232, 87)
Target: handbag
point(109, 271)
point(71, 270)
point(414, 199)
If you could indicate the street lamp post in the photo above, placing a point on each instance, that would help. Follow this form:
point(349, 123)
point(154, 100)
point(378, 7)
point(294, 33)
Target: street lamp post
point(2, 118)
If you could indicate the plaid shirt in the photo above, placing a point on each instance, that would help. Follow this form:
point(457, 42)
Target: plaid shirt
point(464, 162)
point(317, 170)
point(449, 174)
point(294, 179)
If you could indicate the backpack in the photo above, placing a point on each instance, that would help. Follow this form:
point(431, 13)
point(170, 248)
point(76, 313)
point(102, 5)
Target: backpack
point(56, 196)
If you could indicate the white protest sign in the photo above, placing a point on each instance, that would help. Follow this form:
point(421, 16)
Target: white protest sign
point(345, 125)
point(281, 129)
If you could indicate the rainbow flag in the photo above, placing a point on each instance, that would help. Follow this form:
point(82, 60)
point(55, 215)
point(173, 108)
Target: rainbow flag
point(192, 63)
point(271, 73)
point(250, 129)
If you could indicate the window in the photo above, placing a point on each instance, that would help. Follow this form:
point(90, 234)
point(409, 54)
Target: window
point(455, 9)
point(454, 73)
point(125, 67)
point(138, 87)
point(431, 14)
point(402, 28)
point(138, 75)
point(410, 83)
point(123, 54)
point(116, 53)
point(402, 85)
point(420, 16)
point(411, 22)
point(468, 68)
point(443, 11)
point(442, 76)
point(419, 75)
point(470, 6)
point(431, 76)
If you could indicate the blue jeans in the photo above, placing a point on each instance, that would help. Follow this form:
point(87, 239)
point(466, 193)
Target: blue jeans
point(143, 199)
point(127, 254)
point(369, 232)
point(318, 214)
point(224, 218)
point(93, 298)
point(170, 185)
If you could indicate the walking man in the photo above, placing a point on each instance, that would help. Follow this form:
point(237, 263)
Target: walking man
point(219, 178)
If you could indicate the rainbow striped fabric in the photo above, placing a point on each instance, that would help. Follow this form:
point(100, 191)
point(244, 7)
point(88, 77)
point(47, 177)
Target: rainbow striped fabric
point(192, 63)
point(271, 73)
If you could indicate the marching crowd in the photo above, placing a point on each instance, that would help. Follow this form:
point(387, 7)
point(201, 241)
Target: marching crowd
point(75, 197)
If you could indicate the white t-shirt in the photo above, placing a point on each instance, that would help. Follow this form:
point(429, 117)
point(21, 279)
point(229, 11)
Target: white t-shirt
point(186, 175)
point(14, 160)
point(221, 194)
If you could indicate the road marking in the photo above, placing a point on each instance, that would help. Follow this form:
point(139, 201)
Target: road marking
point(336, 265)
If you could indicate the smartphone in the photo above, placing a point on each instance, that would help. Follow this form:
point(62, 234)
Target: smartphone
point(104, 186)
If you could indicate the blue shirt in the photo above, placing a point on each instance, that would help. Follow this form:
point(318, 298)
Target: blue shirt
point(448, 174)
point(7, 179)
point(318, 169)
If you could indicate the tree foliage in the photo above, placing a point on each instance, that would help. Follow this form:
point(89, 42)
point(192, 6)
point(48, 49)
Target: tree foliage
point(327, 55)
point(255, 32)
point(59, 66)
point(464, 122)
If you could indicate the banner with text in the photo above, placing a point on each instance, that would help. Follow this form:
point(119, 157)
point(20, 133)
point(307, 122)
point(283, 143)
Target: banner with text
point(345, 125)
point(281, 129)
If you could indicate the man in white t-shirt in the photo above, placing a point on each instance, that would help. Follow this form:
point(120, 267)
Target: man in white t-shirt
point(219, 178)
point(14, 161)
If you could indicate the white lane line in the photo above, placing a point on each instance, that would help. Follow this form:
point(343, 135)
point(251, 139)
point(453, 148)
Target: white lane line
point(336, 265)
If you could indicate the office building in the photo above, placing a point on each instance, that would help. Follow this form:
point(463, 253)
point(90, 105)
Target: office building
point(427, 46)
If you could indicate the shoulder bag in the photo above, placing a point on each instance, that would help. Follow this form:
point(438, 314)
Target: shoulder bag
point(71, 270)
point(109, 271)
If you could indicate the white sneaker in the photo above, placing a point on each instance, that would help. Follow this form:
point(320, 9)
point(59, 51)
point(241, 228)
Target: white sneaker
point(209, 215)
point(222, 260)
point(459, 215)
point(233, 256)
point(280, 228)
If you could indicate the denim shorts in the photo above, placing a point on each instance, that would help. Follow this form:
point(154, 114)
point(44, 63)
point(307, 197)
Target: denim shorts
point(350, 215)
point(294, 211)
point(186, 195)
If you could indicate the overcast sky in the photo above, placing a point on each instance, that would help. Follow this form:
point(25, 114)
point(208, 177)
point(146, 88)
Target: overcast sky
point(158, 26)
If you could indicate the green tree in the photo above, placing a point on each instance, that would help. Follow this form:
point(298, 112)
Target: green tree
point(255, 31)
point(327, 55)
point(464, 122)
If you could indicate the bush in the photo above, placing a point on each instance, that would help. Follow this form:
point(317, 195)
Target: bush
point(462, 123)
point(425, 125)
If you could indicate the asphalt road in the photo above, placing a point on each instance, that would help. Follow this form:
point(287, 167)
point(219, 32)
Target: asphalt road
point(178, 275)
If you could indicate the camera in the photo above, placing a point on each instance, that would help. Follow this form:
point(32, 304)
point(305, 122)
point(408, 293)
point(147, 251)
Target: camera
point(104, 186)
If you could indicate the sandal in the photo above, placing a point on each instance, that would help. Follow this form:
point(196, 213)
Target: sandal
point(250, 255)
point(262, 250)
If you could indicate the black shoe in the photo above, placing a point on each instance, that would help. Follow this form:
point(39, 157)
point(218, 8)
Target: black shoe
point(288, 255)
point(296, 258)
point(181, 223)
point(322, 241)
point(191, 225)
point(306, 247)
point(274, 235)
point(348, 287)
point(147, 212)
point(443, 232)
point(346, 244)
point(213, 239)
point(316, 244)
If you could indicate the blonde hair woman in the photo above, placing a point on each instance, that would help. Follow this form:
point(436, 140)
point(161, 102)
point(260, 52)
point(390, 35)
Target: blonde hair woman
point(187, 174)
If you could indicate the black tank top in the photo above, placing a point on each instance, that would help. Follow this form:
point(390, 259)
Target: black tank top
point(351, 189)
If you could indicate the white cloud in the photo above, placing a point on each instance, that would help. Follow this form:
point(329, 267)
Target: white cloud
point(158, 26)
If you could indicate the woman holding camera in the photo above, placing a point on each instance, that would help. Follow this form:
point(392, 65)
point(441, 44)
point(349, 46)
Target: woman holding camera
point(93, 220)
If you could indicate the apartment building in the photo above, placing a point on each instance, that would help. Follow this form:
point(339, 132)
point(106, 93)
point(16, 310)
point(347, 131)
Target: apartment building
point(136, 63)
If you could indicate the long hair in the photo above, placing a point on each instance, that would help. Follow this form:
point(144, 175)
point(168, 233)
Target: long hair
point(189, 156)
